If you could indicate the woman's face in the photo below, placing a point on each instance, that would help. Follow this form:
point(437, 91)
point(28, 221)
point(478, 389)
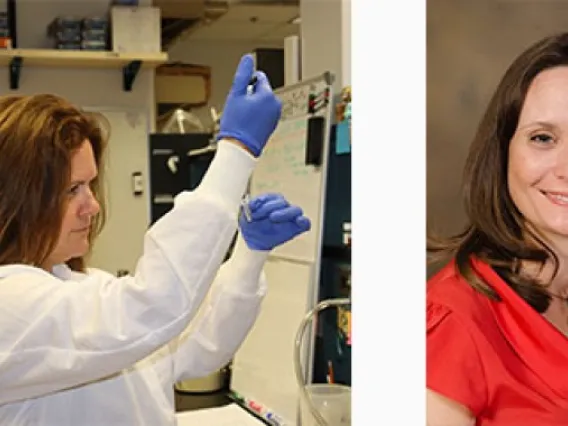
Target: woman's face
point(81, 209)
point(538, 156)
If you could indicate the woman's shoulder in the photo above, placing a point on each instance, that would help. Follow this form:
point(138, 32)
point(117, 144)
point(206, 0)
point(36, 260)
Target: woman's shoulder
point(453, 315)
point(447, 286)
point(21, 270)
point(447, 292)
point(65, 273)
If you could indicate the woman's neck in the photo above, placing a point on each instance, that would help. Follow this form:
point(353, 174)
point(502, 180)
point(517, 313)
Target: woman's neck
point(557, 287)
point(554, 274)
point(555, 283)
point(559, 284)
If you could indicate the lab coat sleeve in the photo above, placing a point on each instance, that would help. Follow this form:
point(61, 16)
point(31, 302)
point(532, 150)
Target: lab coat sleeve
point(226, 317)
point(56, 334)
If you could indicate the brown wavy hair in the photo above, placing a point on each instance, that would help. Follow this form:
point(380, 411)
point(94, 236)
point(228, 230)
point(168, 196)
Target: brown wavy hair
point(39, 135)
point(497, 232)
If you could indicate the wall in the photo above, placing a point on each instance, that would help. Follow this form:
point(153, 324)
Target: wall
point(223, 58)
point(345, 42)
point(469, 46)
point(326, 40)
point(85, 87)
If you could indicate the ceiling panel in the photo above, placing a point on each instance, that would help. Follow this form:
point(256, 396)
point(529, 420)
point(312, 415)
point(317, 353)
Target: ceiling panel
point(232, 31)
point(280, 32)
point(272, 23)
point(264, 13)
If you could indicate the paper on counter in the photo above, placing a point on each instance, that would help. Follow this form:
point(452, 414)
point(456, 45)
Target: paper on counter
point(227, 415)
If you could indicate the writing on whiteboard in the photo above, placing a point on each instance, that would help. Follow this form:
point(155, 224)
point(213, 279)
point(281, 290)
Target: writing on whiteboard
point(284, 156)
point(295, 102)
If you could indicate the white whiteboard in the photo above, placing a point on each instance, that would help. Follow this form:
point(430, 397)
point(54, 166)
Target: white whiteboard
point(263, 367)
point(281, 167)
point(120, 244)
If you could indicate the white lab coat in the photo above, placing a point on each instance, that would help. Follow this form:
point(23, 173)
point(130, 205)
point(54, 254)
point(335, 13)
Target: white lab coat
point(92, 349)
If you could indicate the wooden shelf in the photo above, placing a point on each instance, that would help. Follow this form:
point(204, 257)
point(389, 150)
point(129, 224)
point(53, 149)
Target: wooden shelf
point(130, 63)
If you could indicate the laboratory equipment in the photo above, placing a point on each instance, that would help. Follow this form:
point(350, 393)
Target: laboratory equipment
point(321, 404)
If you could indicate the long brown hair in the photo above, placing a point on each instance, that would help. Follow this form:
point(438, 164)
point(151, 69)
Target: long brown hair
point(38, 136)
point(497, 233)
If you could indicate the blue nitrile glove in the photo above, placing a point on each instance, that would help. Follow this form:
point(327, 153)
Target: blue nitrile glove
point(274, 222)
point(250, 117)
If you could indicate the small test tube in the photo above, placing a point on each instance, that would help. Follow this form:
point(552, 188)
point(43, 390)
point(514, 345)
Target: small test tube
point(245, 207)
point(250, 86)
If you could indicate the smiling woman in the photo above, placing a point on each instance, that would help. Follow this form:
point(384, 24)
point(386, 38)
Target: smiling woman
point(538, 160)
point(497, 314)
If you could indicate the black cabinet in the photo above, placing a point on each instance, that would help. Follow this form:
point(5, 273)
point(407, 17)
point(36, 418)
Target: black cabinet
point(172, 170)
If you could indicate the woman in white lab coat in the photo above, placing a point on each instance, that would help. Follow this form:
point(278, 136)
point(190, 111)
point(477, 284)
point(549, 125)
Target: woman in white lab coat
point(83, 347)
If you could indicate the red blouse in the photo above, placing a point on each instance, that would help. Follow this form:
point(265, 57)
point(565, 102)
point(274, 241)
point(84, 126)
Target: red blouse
point(502, 360)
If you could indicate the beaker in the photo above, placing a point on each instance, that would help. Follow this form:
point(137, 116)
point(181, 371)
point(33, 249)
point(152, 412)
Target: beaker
point(332, 401)
point(321, 404)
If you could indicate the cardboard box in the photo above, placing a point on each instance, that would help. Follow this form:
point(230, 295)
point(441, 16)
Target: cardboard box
point(136, 29)
point(179, 83)
point(186, 9)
